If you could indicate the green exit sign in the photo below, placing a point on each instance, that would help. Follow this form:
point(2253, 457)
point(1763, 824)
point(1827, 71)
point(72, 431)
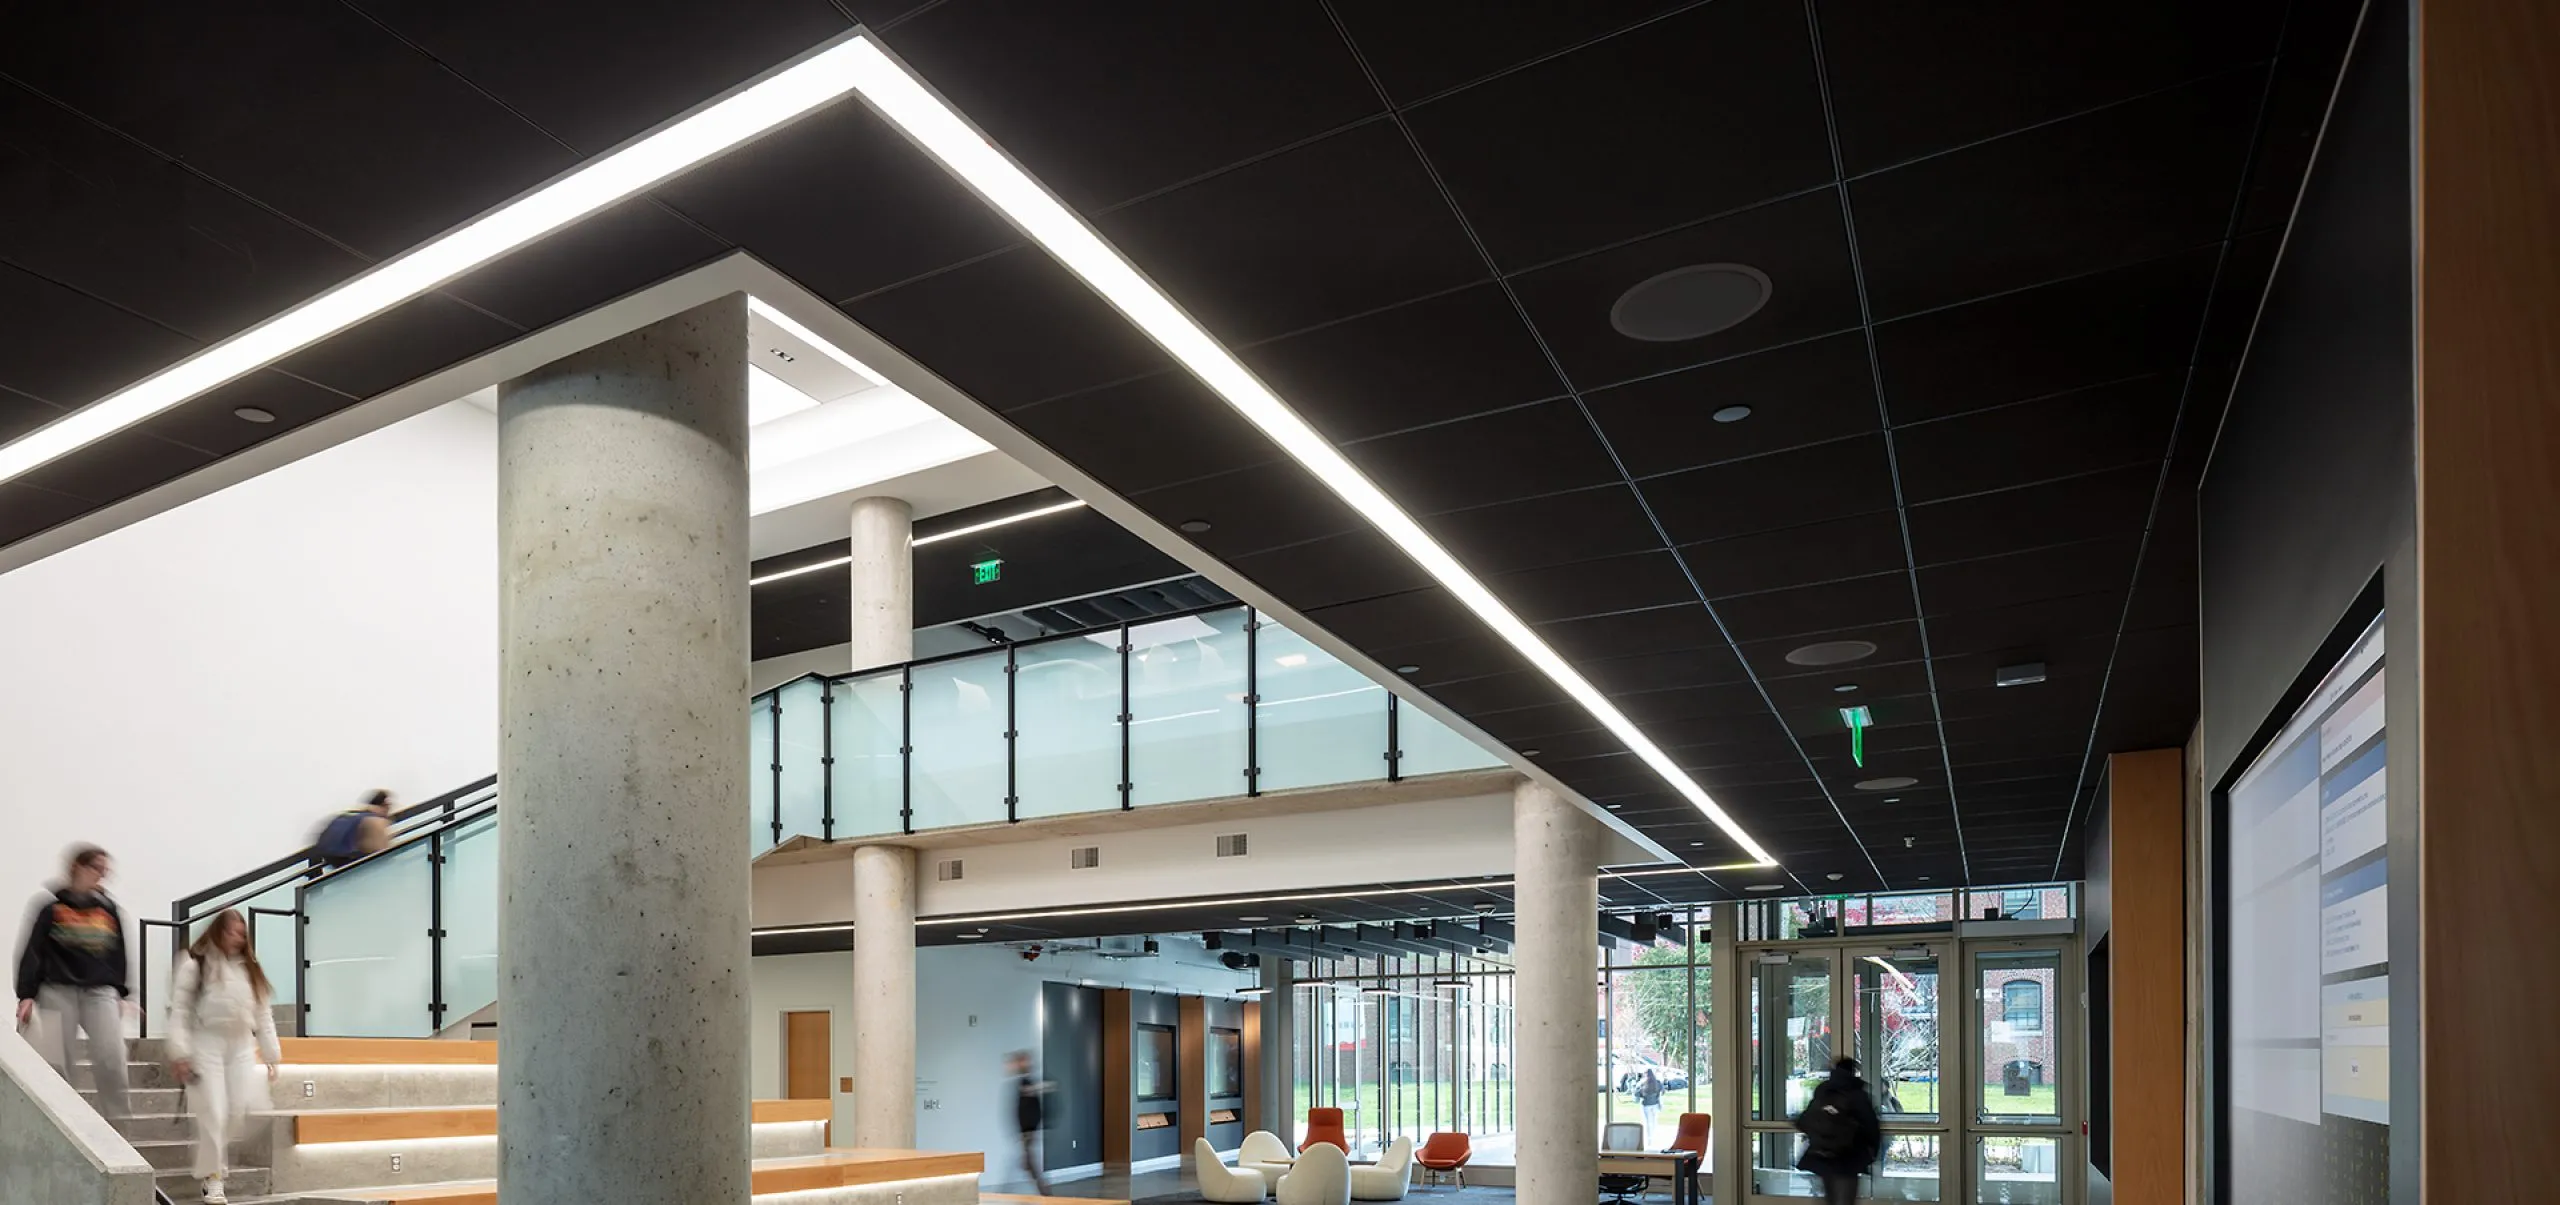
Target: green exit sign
point(986, 571)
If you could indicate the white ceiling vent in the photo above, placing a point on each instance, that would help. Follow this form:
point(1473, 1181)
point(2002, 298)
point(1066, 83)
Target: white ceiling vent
point(1084, 857)
point(947, 871)
point(1231, 845)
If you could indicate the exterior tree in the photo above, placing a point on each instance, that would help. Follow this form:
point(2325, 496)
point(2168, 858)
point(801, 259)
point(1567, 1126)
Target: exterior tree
point(1663, 1008)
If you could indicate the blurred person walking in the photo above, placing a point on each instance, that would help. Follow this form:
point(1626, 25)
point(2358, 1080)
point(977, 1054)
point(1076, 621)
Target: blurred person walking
point(222, 1026)
point(1029, 1095)
point(1842, 1134)
point(72, 968)
point(1649, 1099)
point(356, 833)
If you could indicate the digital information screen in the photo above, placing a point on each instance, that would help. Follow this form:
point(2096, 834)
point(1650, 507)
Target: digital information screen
point(2309, 993)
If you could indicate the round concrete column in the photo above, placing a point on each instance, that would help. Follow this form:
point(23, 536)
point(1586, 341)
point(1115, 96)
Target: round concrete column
point(884, 997)
point(883, 588)
point(1556, 852)
point(622, 908)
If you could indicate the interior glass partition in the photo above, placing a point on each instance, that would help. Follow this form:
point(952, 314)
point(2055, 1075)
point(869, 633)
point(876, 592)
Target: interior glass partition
point(369, 967)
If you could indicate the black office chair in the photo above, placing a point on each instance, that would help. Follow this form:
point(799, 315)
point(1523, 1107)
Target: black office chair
point(1623, 1136)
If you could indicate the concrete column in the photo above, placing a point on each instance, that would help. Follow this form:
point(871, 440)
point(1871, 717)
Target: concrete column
point(622, 908)
point(883, 582)
point(1730, 984)
point(1556, 851)
point(884, 997)
point(1279, 1038)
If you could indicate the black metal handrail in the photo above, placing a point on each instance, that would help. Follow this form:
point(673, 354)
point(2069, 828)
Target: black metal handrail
point(305, 862)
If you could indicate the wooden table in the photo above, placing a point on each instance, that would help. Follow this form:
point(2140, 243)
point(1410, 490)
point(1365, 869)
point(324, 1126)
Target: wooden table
point(1680, 1166)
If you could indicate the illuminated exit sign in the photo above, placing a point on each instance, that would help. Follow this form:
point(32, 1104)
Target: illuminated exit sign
point(986, 571)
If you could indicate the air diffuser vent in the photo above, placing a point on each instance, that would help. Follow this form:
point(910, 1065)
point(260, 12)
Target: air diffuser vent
point(1084, 857)
point(947, 871)
point(1231, 845)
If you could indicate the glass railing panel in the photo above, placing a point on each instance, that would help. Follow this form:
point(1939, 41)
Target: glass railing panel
point(869, 772)
point(1187, 737)
point(803, 736)
point(365, 937)
point(1431, 747)
point(1320, 722)
point(1067, 708)
point(760, 774)
point(470, 918)
point(959, 749)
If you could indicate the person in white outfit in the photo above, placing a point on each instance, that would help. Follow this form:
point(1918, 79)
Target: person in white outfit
point(221, 1028)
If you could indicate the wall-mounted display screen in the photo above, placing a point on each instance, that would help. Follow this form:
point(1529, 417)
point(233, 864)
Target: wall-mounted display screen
point(2308, 995)
point(1153, 1050)
point(1226, 1063)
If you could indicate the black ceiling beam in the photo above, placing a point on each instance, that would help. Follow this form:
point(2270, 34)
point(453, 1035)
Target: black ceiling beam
point(1619, 928)
point(1349, 937)
point(1286, 943)
point(1443, 937)
point(1390, 936)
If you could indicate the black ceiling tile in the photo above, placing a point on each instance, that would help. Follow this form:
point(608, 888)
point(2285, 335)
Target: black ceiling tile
point(1699, 666)
point(1151, 432)
point(1057, 336)
point(39, 318)
point(2025, 627)
point(2165, 592)
point(1337, 569)
point(2001, 749)
point(2084, 431)
point(1392, 620)
point(1802, 393)
point(1787, 769)
point(116, 468)
point(1578, 152)
point(1423, 362)
point(2114, 503)
point(1546, 448)
point(1162, 93)
point(2069, 697)
point(1903, 722)
point(1894, 642)
point(1421, 49)
point(1595, 745)
point(620, 250)
point(81, 206)
point(1638, 582)
point(355, 133)
point(2122, 185)
point(1438, 656)
point(1663, 629)
point(2048, 722)
point(2020, 577)
point(651, 62)
point(21, 413)
point(1762, 741)
point(1782, 489)
point(2316, 41)
point(1652, 708)
point(2064, 660)
point(1532, 725)
point(1799, 244)
point(2042, 341)
point(1552, 530)
point(1339, 227)
point(1908, 80)
point(1851, 602)
point(419, 336)
point(1479, 697)
point(1875, 682)
point(207, 422)
point(844, 204)
point(2234, 312)
point(2036, 774)
point(1815, 552)
point(26, 510)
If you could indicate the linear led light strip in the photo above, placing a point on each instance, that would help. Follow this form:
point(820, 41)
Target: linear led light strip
point(789, 93)
point(942, 133)
point(921, 541)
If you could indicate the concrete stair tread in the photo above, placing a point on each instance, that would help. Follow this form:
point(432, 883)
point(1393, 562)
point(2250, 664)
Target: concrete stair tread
point(767, 1171)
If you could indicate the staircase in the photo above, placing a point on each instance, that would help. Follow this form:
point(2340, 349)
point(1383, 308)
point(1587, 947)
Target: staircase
point(164, 1134)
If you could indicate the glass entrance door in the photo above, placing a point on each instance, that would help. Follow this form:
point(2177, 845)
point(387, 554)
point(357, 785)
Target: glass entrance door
point(1794, 1019)
point(1894, 1005)
point(2019, 1132)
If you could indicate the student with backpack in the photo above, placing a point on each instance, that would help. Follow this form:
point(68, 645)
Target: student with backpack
point(222, 1026)
point(1842, 1134)
point(356, 833)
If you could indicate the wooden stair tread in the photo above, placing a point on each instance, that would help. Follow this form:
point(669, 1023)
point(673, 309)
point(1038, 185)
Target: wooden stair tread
point(321, 1126)
point(388, 1052)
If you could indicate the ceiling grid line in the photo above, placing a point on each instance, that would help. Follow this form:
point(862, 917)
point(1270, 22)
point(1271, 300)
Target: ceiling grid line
point(1884, 413)
point(1458, 215)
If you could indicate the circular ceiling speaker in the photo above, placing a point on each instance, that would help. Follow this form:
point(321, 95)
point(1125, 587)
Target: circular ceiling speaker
point(1195, 526)
point(1832, 652)
point(1690, 303)
point(254, 414)
point(1731, 414)
point(1894, 783)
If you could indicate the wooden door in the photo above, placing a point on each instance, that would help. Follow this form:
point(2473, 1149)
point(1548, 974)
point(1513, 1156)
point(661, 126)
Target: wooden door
point(808, 1055)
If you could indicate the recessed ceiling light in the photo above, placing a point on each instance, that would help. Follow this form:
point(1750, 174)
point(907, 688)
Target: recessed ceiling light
point(1893, 799)
point(1832, 652)
point(1893, 782)
point(254, 414)
point(968, 154)
point(969, 936)
point(1196, 526)
point(1689, 303)
point(1408, 669)
point(1531, 752)
point(1697, 845)
point(1835, 876)
point(601, 182)
point(1252, 919)
point(1615, 806)
point(1731, 414)
point(1845, 688)
point(1766, 887)
point(1037, 512)
point(1924, 878)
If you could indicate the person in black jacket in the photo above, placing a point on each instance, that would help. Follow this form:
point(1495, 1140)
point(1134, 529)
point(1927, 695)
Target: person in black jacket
point(73, 967)
point(1842, 1133)
point(1028, 1096)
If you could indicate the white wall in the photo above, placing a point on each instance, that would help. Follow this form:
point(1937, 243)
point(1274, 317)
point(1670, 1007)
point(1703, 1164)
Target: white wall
point(196, 691)
point(974, 1007)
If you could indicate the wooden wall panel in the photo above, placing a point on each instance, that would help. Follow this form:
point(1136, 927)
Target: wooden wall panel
point(2147, 974)
point(2488, 197)
point(1253, 1067)
point(1191, 1071)
point(1119, 1102)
